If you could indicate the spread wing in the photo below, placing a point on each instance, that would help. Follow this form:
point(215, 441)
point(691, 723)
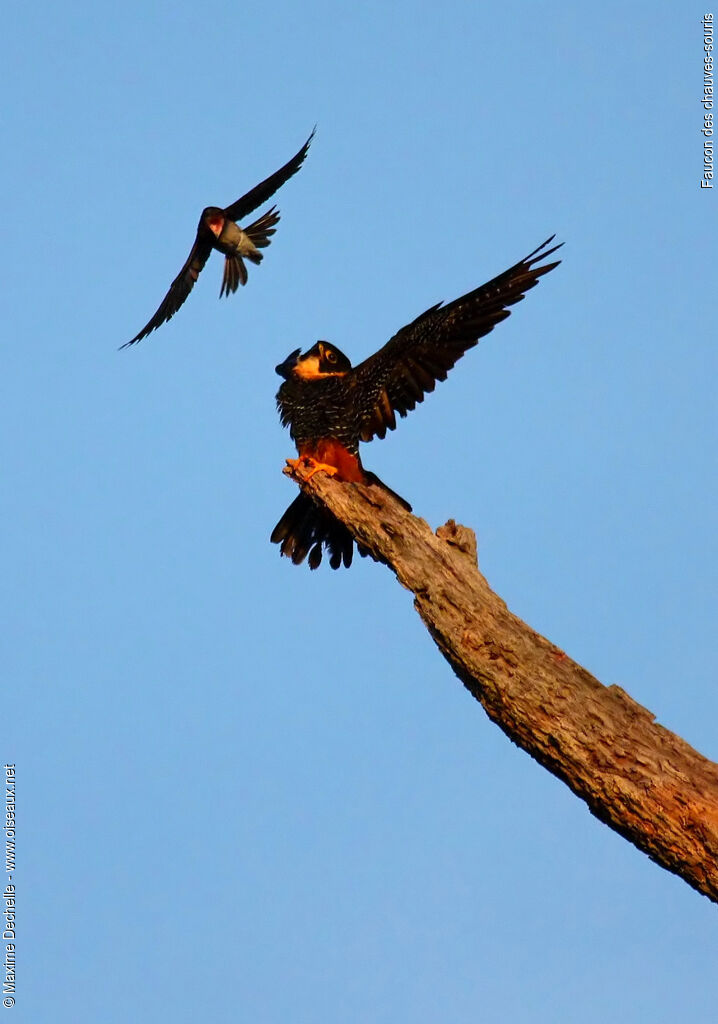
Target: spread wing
point(179, 289)
point(398, 376)
point(260, 193)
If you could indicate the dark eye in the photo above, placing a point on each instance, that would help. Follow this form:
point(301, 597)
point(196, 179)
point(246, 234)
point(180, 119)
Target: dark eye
point(331, 356)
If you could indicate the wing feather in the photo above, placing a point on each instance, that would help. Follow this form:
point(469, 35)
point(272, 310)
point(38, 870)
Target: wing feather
point(178, 290)
point(397, 377)
point(260, 193)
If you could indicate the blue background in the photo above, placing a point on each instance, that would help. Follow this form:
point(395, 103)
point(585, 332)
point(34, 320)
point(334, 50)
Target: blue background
point(248, 792)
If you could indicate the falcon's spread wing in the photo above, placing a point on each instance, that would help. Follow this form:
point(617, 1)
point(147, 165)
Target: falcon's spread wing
point(260, 193)
point(179, 289)
point(398, 376)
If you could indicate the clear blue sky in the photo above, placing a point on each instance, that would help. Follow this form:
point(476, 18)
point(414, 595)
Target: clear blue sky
point(248, 792)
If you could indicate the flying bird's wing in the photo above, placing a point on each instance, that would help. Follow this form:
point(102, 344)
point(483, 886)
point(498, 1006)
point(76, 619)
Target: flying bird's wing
point(179, 289)
point(260, 193)
point(398, 376)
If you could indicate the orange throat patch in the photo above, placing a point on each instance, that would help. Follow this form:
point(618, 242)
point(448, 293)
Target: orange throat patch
point(215, 225)
point(308, 369)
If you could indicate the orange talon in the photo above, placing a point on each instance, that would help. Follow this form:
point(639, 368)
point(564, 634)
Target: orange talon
point(324, 466)
point(307, 462)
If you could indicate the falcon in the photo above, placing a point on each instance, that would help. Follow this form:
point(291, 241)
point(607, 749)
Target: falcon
point(218, 229)
point(331, 406)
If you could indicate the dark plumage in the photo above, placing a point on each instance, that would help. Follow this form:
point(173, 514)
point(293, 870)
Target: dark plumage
point(218, 229)
point(330, 406)
point(305, 529)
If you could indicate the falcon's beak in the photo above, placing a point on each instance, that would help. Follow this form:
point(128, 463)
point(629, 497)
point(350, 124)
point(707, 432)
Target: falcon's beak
point(285, 369)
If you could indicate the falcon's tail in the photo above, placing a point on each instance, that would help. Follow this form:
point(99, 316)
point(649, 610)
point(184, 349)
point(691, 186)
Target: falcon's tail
point(305, 529)
point(259, 234)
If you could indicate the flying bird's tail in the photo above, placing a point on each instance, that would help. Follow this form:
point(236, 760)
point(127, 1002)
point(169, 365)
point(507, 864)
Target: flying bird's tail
point(235, 274)
point(259, 234)
point(305, 529)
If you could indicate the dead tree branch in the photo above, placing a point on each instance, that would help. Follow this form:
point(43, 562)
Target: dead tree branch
point(643, 781)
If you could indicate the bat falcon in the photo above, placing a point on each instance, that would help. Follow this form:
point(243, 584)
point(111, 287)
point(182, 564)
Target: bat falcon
point(218, 229)
point(331, 406)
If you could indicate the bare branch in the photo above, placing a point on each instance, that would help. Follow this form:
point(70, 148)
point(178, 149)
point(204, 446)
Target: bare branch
point(643, 781)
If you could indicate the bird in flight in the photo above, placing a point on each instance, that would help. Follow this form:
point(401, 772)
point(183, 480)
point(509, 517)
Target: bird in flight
point(218, 229)
point(330, 406)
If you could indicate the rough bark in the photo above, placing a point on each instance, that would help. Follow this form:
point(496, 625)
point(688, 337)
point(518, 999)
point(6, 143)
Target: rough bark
point(643, 781)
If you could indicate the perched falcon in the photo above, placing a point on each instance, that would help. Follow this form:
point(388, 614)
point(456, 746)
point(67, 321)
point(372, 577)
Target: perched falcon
point(330, 406)
point(218, 229)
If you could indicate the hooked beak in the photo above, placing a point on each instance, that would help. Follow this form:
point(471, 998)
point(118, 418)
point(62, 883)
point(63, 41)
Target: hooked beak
point(285, 369)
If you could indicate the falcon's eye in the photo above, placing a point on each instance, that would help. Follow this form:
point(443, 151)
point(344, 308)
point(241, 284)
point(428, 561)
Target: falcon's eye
point(331, 356)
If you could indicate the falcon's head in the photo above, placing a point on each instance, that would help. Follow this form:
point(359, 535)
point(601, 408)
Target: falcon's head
point(322, 360)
